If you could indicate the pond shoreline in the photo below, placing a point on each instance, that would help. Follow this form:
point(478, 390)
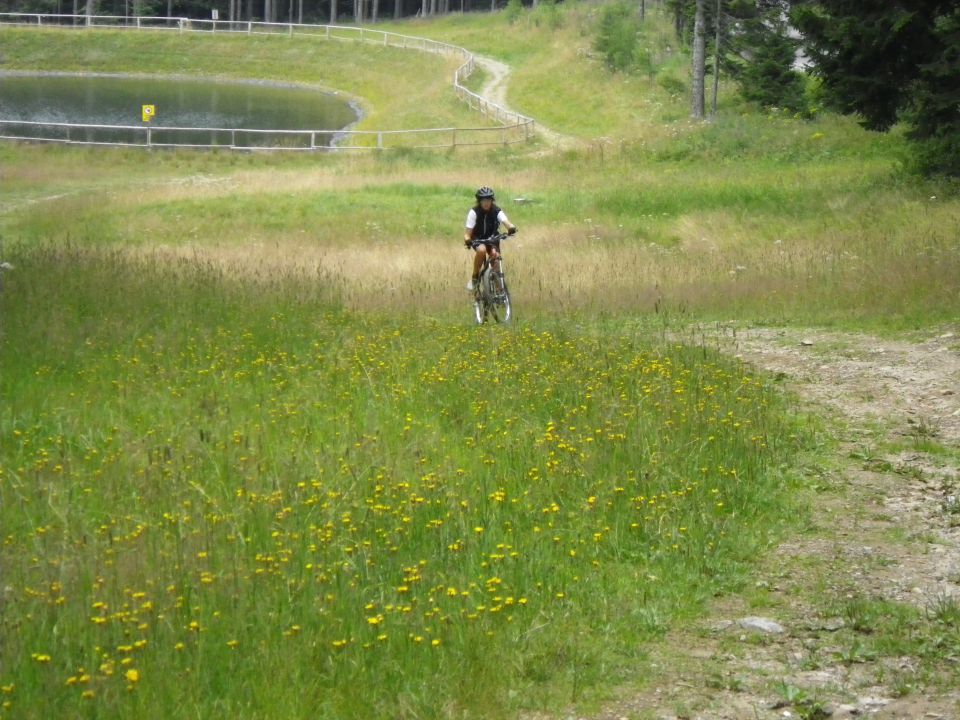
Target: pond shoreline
point(354, 103)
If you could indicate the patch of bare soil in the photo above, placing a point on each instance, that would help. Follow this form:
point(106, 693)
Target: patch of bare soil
point(884, 534)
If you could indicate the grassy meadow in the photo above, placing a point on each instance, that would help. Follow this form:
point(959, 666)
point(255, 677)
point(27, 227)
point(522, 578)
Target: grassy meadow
point(206, 481)
point(255, 461)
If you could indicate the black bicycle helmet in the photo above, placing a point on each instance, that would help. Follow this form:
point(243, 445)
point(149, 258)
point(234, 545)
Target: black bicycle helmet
point(485, 193)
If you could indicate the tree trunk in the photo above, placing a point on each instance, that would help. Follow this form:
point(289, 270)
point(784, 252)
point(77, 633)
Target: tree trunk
point(91, 10)
point(375, 11)
point(716, 57)
point(397, 9)
point(643, 10)
point(699, 61)
point(333, 12)
point(493, 5)
point(300, 11)
point(433, 7)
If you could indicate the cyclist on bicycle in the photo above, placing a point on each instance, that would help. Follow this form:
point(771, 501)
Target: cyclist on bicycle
point(483, 224)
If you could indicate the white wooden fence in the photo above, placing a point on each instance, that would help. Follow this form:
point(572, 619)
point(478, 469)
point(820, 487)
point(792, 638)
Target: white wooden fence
point(512, 127)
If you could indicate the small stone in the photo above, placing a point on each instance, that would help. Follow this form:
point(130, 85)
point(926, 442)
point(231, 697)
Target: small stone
point(834, 624)
point(806, 343)
point(845, 711)
point(721, 625)
point(873, 703)
point(946, 336)
point(947, 393)
point(762, 625)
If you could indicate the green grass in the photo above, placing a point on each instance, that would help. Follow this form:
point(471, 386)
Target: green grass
point(203, 478)
point(807, 233)
point(560, 81)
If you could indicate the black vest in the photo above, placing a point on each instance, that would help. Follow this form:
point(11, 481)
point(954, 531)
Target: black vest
point(487, 224)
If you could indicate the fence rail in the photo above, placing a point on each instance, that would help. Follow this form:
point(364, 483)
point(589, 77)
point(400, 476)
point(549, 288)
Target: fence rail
point(512, 127)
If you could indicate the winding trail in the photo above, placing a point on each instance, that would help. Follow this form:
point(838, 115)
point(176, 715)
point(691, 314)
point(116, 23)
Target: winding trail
point(495, 90)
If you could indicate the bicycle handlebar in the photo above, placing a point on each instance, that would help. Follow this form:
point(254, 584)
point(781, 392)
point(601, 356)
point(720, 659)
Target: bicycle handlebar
point(491, 240)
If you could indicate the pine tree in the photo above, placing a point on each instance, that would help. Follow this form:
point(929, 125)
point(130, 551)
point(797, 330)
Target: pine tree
point(768, 76)
point(888, 62)
point(761, 54)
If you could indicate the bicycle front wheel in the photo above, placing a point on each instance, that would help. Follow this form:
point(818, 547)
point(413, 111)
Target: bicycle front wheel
point(500, 306)
point(479, 312)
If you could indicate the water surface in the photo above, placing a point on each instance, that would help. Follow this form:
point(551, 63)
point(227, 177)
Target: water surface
point(112, 100)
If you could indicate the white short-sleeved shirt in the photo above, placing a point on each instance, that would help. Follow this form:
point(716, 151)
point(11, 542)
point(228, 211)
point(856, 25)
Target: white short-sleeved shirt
point(472, 218)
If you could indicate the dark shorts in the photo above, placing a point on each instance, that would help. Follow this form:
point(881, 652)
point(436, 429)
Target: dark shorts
point(489, 245)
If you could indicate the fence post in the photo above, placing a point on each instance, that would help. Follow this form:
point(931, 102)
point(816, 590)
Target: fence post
point(454, 137)
point(233, 138)
point(39, 22)
point(138, 22)
point(249, 27)
point(149, 139)
point(328, 32)
point(379, 141)
point(313, 140)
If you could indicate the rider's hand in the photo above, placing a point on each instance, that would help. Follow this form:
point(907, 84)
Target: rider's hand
point(466, 243)
point(513, 230)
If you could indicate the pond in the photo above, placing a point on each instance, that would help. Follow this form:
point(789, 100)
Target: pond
point(228, 108)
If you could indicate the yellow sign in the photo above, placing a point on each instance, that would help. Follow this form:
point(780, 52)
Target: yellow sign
point(148, 112)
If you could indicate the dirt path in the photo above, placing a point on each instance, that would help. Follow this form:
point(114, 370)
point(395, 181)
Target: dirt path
point(884, 539)
point(495, 90)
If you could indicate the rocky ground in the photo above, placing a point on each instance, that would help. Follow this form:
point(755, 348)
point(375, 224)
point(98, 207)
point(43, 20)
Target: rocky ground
point(849, 618)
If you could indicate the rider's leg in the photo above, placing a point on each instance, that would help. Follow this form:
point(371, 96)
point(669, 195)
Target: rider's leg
point(478, 259)
point(495, 265)
point(494, 259)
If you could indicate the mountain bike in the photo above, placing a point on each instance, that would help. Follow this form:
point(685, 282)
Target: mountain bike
point(491, 297)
